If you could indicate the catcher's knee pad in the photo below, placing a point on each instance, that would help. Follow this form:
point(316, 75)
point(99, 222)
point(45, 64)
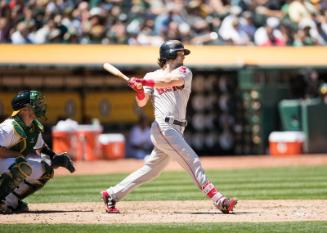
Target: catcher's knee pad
point(28, 187)
point(20, 170)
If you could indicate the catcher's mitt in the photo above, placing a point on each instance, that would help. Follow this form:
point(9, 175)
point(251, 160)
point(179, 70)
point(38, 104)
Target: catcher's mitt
point(63, 160)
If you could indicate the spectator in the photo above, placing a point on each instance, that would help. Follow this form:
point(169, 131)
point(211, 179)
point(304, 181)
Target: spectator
point(95, 26)
point(247, 25)
point(313, 83)
point(163, 20)
point(151, 22)
point(307, 35)
point(322, 29)
point(41, 36)
point(4, 30)
point(287, 33)
point(139, 143)
point(21, 34)
point(234, 35)
point(270, 35)
point(144, 35)
point(298, 10)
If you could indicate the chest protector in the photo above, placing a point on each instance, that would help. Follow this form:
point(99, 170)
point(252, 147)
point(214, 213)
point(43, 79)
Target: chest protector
point(28, 134)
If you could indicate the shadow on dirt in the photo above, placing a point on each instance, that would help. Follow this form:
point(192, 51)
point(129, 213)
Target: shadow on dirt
point(55, 211)
point(207, 212)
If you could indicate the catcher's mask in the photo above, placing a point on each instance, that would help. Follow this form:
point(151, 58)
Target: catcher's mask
point(169, 49)
point(29, 98)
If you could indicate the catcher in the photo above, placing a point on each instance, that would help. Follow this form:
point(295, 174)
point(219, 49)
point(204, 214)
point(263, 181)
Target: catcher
point(22, 169)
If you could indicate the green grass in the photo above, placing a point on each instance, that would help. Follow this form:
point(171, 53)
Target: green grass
point(295, 227)
point(267, 183)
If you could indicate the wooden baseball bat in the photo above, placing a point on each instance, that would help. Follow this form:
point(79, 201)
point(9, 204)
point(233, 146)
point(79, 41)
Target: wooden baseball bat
point(113, 70)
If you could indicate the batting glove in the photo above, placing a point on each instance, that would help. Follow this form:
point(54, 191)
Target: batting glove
point(135, 84)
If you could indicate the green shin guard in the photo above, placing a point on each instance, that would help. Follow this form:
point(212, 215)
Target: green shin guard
point(6, 185)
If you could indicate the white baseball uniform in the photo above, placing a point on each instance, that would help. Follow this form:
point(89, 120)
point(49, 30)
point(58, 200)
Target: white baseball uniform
point(9, 138)
point(169, 105)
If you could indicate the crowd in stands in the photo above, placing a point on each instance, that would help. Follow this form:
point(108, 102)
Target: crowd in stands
point(150, 22)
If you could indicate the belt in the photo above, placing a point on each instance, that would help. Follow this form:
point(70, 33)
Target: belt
point(171, 120)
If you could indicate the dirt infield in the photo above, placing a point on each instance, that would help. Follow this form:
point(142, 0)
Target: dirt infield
point(172, 212)
point(179, 211)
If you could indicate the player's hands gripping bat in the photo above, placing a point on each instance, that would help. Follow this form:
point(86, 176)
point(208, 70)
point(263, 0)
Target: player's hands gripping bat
point(134, 83)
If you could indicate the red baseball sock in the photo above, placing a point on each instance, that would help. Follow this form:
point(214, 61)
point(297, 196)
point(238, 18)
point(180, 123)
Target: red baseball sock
point(210, 190)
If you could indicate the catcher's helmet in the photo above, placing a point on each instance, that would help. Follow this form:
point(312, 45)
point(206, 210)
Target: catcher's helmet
point(169, 49)
point(29, 98)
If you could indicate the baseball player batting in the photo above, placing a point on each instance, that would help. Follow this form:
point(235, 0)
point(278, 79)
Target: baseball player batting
point(169, 89)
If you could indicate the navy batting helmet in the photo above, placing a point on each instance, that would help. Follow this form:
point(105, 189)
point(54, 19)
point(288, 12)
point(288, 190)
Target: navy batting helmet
point(169, 49)
point(32, 98)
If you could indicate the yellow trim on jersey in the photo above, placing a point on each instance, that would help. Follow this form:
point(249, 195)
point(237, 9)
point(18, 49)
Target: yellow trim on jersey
point(21, 136)
point(14, 113)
